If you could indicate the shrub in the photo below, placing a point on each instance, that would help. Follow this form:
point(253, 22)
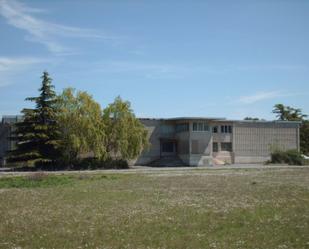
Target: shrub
point(291, 157)
point(78, 164)
point(95, 163)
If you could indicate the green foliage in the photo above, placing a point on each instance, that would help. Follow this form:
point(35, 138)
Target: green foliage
point(95, 163)
point(250, 118)
point(291, 157)
point(304, 137)
point(37, 134)
point(126, 136)
point(295, 114)
point(62, 130)
point(288, 113)
point(81, 126)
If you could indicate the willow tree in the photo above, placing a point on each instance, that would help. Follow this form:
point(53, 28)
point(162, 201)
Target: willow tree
point(126, 136)
point(37, 134)
point(81, 126)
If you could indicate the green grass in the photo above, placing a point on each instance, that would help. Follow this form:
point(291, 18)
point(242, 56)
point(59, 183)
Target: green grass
point(25, 182)
point(173, 209)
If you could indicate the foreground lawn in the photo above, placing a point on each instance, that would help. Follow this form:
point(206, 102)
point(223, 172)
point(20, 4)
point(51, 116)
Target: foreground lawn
point(178, 209)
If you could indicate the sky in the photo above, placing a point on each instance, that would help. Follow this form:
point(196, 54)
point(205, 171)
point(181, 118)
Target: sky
point(169, 58)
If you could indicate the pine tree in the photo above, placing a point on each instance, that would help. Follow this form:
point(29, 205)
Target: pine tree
point(37, 134)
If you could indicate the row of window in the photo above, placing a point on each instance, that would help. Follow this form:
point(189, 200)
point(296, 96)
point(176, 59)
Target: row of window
point(224, 147)
point(197, 126)
point(200, 127)
point(205, 127)
point(182, 127)
point(224, 129)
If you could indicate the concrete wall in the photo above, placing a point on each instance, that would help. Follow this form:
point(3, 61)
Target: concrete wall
point(183, 146)
point(156, 131)
point(154, 134)
point(5, 143)
point(254, 141)
point(200, 146)
point(224, 156)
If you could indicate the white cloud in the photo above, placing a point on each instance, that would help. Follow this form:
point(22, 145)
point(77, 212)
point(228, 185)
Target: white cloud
point(12, 67)
point(250, 99)
point(260, 96)
point(46, 33)
point(12, 64)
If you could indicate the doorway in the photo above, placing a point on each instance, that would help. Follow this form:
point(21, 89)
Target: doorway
point(168, 148)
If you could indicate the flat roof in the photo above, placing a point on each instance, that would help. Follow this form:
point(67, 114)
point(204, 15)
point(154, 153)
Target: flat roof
point(263, 121)
point(218, 119)
point(196, 118)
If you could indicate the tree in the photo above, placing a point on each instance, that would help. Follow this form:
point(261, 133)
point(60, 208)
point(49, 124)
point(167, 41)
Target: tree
point(250, 118)
point(81, 126)
point(295, 114)
point(126, 136)
point(304, 137)
point(37, 134)
point(288, 113)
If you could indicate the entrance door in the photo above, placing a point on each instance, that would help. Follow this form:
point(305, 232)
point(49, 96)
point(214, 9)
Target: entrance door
point(168, 148)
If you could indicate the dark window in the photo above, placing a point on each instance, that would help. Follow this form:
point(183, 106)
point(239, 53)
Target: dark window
point(195, 127)
point(215, 147)
point(182, 127)
point(215, 129)
point(200, 127)
point(168, 147)
point(226, 129)
point(167, 129)
point(226, 147)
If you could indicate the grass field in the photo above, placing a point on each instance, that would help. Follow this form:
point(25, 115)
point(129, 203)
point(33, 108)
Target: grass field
point(240, 208)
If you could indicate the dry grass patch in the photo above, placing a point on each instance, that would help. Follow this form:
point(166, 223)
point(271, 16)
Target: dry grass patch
point(222, 209)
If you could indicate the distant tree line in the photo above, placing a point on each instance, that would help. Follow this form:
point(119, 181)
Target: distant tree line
point(65, 129)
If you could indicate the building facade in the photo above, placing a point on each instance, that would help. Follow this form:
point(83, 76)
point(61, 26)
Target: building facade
point(6, 129)
point(199, 141)
point(210, 141)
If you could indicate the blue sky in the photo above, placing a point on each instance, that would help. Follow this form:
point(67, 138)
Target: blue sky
point(168, 58)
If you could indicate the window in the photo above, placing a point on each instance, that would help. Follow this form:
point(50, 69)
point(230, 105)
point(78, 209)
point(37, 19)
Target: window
point(168, 147)
point(182, 127)
point(167, 129)
point(226, 147)
point(226, 129)
point(194, 126)
point(215, 129)
point(200, 126)
point(215, 147)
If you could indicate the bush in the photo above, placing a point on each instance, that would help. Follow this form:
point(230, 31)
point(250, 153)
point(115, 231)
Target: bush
point(49, 166)
point(290, 157)
point(78, 164)
point(95, 163)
